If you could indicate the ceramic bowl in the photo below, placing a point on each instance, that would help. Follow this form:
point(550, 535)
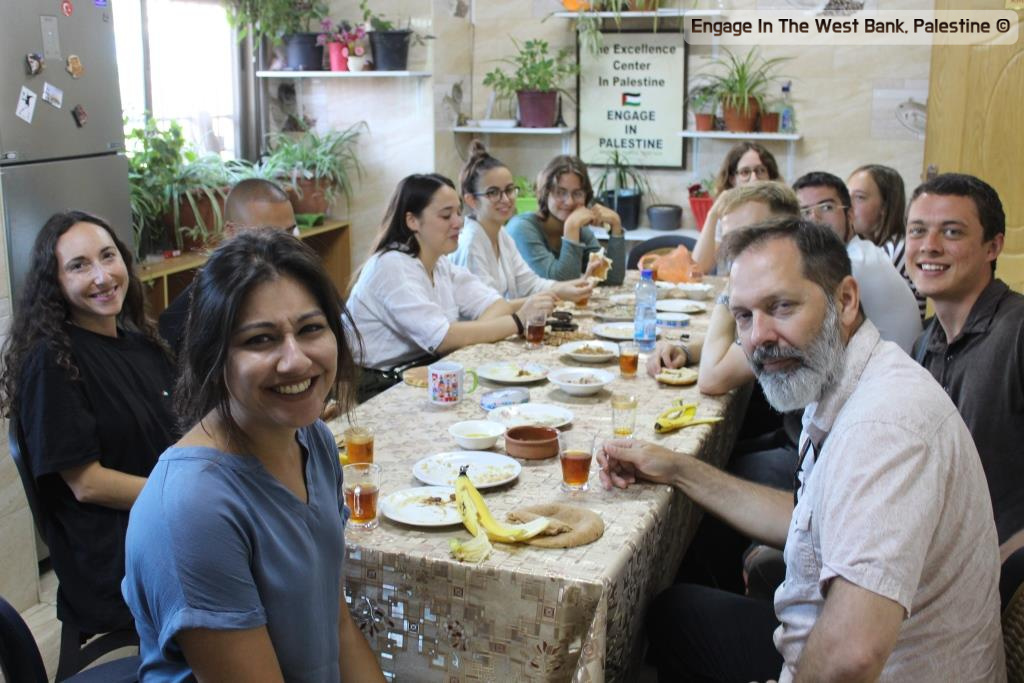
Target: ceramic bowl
point(571, 380)
point(476, 435)
point(695, 290)
point(531, 443)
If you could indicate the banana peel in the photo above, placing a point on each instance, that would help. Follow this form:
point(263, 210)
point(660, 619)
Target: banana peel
point(476, 516)
point(680, 415)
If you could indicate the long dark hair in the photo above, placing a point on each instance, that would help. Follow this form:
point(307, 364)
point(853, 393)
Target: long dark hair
point(413, 194)
point(480, 161)
point(548, 177)
point(892, 225)
point(234, 269)
point(723, 181)
point(41, 309)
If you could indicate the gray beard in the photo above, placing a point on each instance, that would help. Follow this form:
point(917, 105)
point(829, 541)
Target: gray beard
point(820, 367)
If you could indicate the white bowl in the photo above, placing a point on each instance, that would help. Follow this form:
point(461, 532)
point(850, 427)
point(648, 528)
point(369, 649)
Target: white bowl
point(695, 290)
point(568, 380)
point(668, 319)
point(476, 435)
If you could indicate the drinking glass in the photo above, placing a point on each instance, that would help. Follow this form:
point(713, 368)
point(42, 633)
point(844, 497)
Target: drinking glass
point(623, 415)
point(362, 489)
point(629, 358)
point(359, 444)
point(535, 323)
point(575, 453)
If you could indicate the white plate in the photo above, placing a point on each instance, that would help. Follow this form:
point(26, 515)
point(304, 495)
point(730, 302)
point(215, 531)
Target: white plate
point(411, 506)
point(571, 349)
point(622, 298)
point(617, 331)
point(695, 290)
point(681, 306)
point(662, 284)
point(485, 469)
point(569, 380)
point(507, 372)
point(539, 414)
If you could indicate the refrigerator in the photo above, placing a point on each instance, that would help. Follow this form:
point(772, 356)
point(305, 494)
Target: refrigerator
point(61, 135)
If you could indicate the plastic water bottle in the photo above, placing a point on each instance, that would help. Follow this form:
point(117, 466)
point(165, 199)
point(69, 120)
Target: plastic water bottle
point(787, 117)
point(645, 324)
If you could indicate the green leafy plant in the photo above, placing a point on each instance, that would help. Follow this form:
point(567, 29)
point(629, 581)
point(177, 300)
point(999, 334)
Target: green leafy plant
point(200, 176)
point(331, 157)
point(535, 69)
point(740, 79)
point(620, 174)
point(378, 22)
point(274, 18)
point(703, 99)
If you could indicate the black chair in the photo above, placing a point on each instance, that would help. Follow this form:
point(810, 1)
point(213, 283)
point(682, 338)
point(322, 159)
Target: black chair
point(77, 649)
point(20, 659)
point(662, 242)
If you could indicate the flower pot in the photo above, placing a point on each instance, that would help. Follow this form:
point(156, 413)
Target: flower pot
point(700, 206)
point(390, 49)
point(357, 63)
point(705, 121)
point(308, 196)
point(187, 219)
point(741, 123)
point(537, 109)
point(769, 122)
point(302, 53)
point(664, 216)
point(336, 56)
point(626, 203)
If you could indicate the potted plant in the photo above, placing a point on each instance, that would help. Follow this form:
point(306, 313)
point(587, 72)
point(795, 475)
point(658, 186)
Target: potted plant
point(768, 120)
point(535, 81)
point(154, 157)
point(621, 186)
point(195, 201)
point(318, 167)
point(703, 99)
point(282, 20)
point(741, 86)
point(701, 201)
point(389, 43)
point(344, 45)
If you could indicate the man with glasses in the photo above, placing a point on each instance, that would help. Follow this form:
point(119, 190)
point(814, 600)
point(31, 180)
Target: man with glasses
point(888, 302)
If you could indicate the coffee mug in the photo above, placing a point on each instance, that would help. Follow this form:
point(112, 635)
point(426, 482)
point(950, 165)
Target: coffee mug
point(446, 383)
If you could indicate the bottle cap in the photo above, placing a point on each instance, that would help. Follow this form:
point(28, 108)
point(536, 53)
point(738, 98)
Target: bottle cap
point(647, 274)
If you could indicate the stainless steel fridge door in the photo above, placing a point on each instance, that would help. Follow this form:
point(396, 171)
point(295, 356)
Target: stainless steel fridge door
point(40, 26)
point(34, 192)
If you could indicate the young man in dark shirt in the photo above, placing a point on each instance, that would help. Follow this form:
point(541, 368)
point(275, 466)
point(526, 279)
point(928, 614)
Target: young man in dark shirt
point(974, 345)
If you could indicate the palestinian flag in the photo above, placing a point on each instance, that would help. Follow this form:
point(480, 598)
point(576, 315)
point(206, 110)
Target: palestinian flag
point(630, 99)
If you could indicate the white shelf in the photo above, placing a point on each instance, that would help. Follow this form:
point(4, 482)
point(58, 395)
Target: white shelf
point(729, 135)
point(342, 74)
point(665, 13)
point(644, 232)
point(516, 130)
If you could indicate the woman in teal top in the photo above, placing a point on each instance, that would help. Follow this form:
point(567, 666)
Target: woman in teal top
point(557, 240)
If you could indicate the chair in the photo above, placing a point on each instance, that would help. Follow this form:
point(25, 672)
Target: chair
point(76, 649)
point(20, 659)
point(659, 244)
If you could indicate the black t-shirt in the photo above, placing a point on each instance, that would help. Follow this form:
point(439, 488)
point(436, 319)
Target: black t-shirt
point(118, 413)
point(173, 319)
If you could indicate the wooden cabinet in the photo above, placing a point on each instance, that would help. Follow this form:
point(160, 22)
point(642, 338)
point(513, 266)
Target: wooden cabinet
point(164, 280)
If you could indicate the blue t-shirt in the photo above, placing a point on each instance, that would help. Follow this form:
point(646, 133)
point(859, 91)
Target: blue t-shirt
point(215, 541)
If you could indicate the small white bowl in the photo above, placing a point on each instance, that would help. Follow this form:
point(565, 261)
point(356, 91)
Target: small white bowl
point(667, 319)
point(476, 435)
point(568, 380)
point(695, 290)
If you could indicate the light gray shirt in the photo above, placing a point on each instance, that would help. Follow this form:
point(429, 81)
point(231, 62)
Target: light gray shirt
point(895, 503)
point(505, 271)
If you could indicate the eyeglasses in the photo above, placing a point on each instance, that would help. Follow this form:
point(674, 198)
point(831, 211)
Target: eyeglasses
point(561, 194)
point(758, 172)
point(493, 194)
point(821, 209)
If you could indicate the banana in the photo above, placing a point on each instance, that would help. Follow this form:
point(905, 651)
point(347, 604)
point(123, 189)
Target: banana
point(476, 550)
point(681, 414)
point(475, 514)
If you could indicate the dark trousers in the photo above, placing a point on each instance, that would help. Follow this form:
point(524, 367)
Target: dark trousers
point(703, 634)
point(1011, 577)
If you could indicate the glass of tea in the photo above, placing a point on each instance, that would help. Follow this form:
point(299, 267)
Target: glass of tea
point(623, 415)
point(575, 452)
point(362, 489)
point(535, 329)
point(629, 358)
point(359, 445)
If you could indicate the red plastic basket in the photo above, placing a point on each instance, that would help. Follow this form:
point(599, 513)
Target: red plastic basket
point(700, 206)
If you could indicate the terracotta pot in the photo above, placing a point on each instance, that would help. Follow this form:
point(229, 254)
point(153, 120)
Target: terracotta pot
point(741, 123)
point(187, 219)
point(537, 109)
point(339, 62)
point(309, 197)
point(705, 121)
point(769, 122)
point(700, 206)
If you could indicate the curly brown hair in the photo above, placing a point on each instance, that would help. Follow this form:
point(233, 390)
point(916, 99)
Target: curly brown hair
point(723, 181)
point(41, 311)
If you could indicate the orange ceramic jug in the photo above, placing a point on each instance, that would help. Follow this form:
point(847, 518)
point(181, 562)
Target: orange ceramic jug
point(675, 266)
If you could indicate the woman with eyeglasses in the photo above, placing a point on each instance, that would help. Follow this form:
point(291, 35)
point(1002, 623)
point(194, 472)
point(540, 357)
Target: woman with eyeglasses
point(746, 162)
point(410, 303)
point(557, 240)
point(489, 194)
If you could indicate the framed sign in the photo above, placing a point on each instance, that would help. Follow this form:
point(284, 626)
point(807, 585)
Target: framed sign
point(631, 99)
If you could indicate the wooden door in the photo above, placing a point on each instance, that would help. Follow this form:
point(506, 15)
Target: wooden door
point(975, 99)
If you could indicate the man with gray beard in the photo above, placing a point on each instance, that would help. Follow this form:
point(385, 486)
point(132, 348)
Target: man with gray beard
point(891, 554)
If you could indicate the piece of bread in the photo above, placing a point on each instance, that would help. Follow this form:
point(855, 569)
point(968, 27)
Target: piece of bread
point(600, 273)
point(679, 377)
point(416, 377)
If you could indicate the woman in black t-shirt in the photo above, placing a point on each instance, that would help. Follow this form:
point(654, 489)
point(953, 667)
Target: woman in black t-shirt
point(89, 381)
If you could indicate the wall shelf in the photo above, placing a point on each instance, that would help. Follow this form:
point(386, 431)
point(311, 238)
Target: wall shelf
point(563, 131)
point(342, 74)
point(697, 135)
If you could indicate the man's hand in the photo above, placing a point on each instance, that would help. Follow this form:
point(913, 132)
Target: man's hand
point(623, 461)
point(665, 355)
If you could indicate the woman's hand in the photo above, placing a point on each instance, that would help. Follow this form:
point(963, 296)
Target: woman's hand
point(542, 303)
point(605, 216)
point(573, 290)
point(576, 220)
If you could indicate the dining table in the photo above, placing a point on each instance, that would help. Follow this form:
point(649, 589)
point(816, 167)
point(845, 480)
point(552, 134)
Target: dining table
point(524, 612)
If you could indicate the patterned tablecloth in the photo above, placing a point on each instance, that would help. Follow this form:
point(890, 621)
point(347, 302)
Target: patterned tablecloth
point(524, 613)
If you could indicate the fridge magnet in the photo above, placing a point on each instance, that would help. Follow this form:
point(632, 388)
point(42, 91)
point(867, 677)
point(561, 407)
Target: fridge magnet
point(79, 115)
point(99, 3)
point(66, 8)
point(34, 63)
point(26, 105)
point(75, 67)
point(51, 38)
point(53, 95)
